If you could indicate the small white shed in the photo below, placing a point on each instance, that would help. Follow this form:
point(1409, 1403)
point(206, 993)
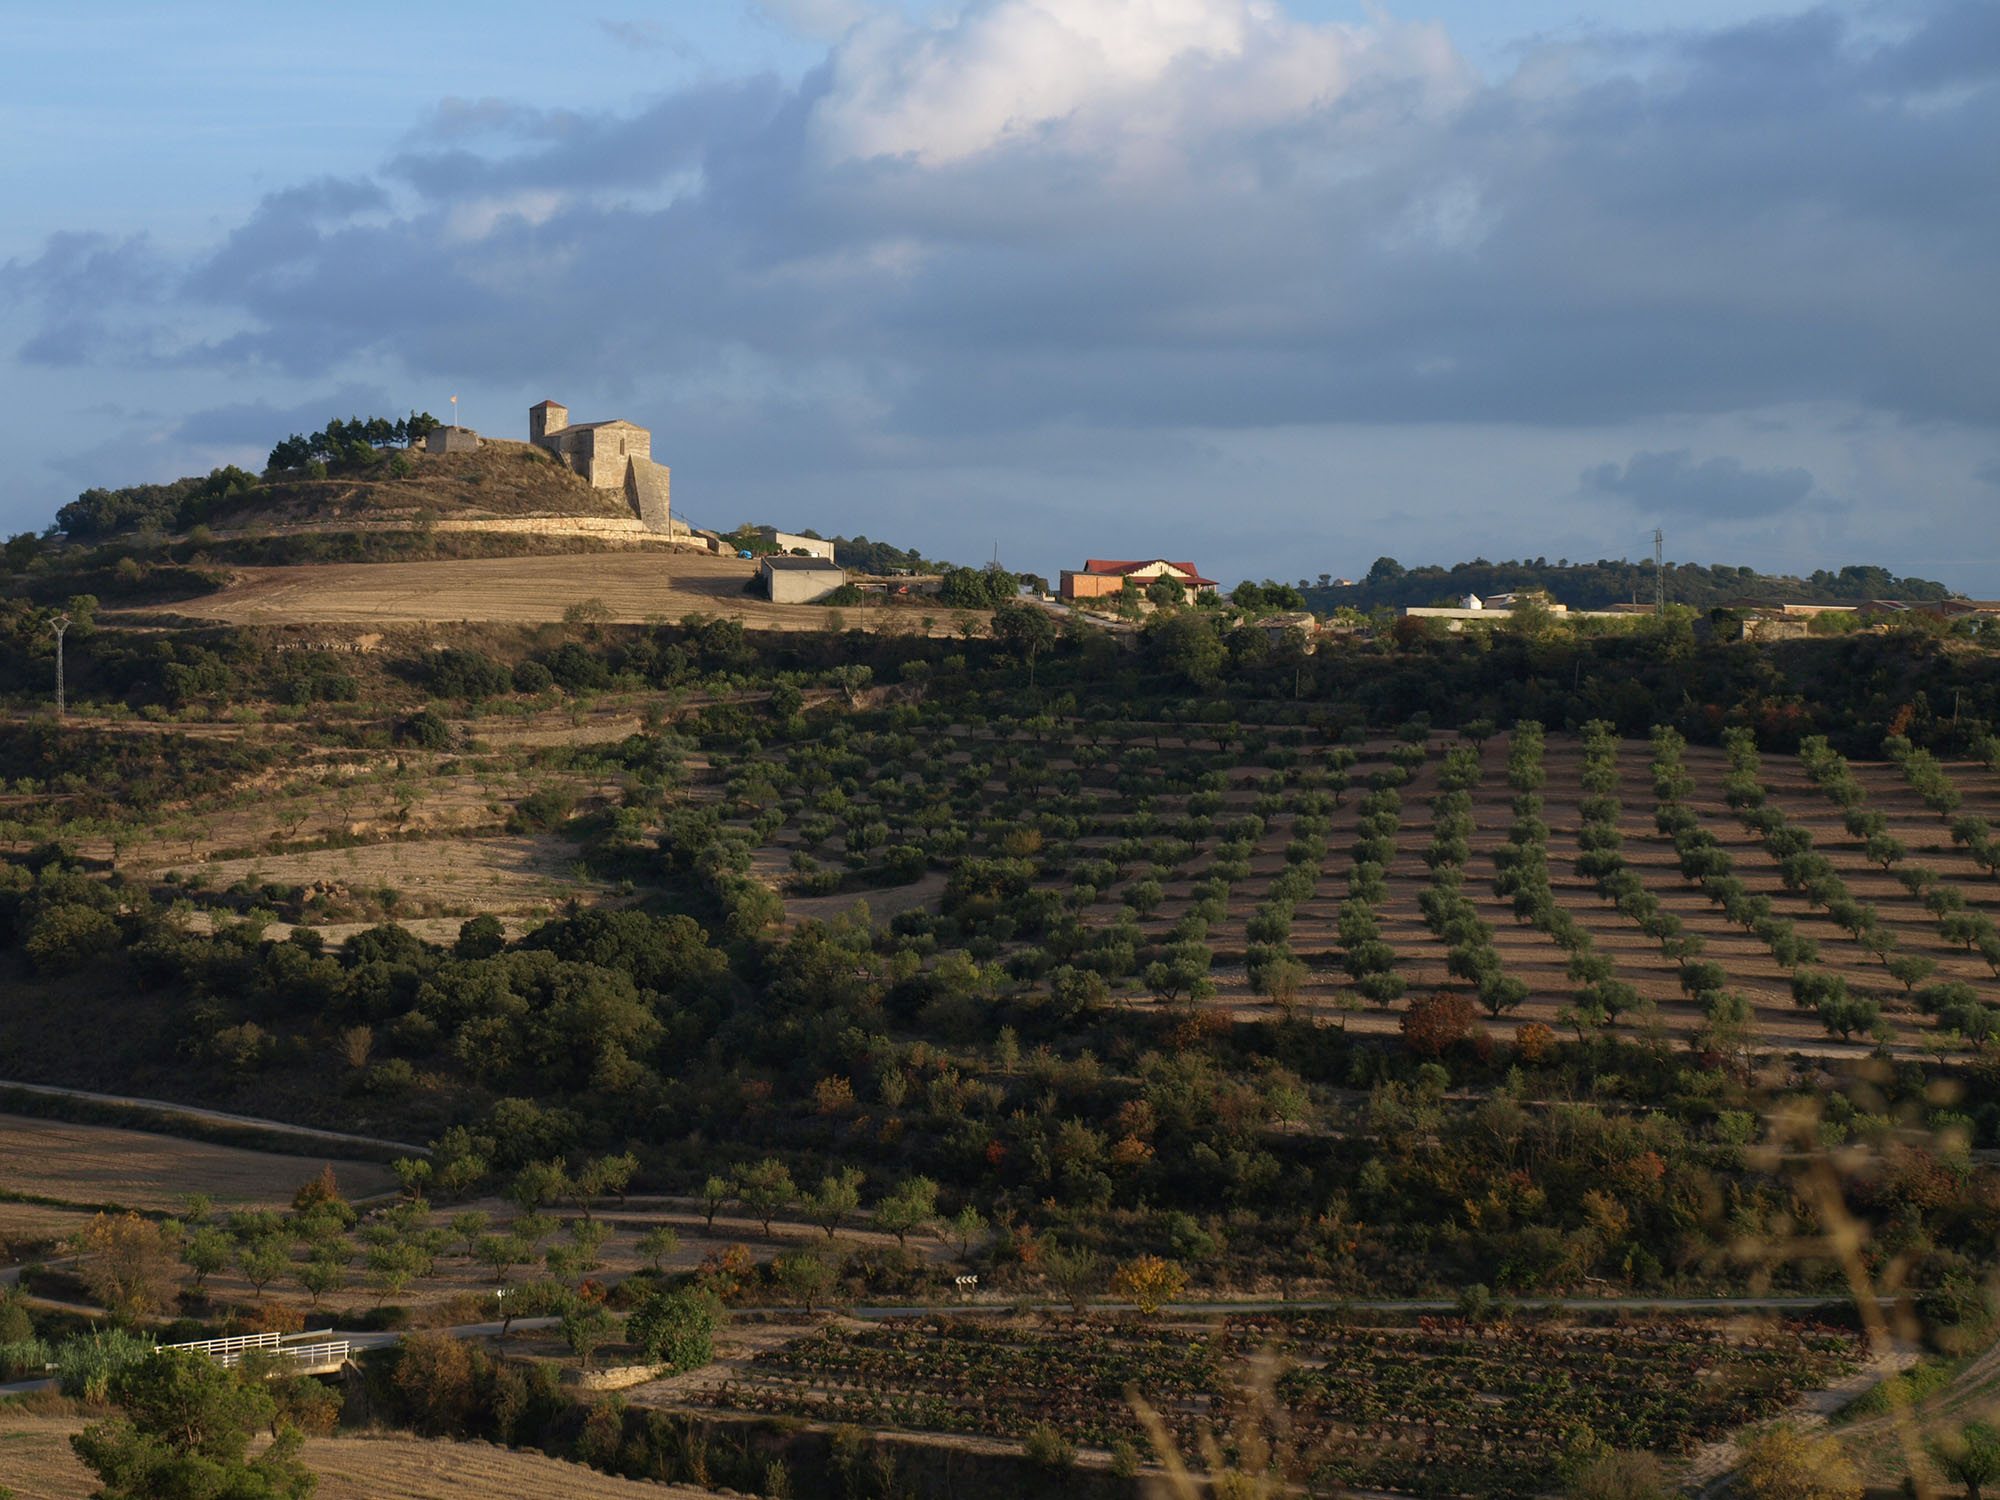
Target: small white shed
point(800, 580)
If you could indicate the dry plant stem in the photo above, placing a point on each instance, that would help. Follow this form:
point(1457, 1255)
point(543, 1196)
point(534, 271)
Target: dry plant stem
point(1265, 1468)
point(1845, 1235)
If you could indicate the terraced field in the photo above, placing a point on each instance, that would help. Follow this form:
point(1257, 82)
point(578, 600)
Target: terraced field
point(1702, 879)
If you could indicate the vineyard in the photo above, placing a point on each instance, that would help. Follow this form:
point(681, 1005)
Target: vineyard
point(1577, 882)
point(1436, 1408)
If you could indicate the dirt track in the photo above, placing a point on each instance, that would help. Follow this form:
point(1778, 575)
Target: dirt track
point(635, 587)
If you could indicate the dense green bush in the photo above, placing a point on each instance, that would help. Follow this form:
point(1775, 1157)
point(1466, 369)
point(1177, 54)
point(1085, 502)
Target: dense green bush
point(468, 674)
point(428, 730)
point(676, 1329)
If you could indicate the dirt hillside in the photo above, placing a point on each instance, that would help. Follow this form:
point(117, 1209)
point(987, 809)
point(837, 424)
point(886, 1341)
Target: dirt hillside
point(502, 479)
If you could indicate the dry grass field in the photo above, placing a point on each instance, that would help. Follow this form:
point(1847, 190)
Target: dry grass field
point(635, 587)
point(27, 1228)
point(406, 1468)
point(88, 1164)
point(36, 1462)
point(506, 875)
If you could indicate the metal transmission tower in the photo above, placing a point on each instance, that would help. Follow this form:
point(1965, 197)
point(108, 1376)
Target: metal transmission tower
point(59, 624)
point(1659, 571)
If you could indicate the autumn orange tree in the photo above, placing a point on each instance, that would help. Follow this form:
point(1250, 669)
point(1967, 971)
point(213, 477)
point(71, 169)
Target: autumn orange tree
point(1149, 1282)
point(1436, 1022)
point(129, 1264)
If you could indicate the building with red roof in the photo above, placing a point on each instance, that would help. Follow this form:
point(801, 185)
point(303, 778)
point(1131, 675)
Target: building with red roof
point(1100, 577)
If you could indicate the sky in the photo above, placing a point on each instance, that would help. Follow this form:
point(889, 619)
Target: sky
point(1274, 288)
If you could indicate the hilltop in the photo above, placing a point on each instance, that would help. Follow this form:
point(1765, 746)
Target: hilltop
point(502, 480)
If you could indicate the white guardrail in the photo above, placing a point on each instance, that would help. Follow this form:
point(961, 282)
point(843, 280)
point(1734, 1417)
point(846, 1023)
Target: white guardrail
point(230, 1351)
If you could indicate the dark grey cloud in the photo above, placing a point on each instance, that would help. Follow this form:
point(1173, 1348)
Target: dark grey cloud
point(1988, 473)
point(94, 297)
point(1716, 489)
point(1794, 211)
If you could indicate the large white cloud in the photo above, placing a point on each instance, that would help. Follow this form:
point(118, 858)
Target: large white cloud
point(1136, 78)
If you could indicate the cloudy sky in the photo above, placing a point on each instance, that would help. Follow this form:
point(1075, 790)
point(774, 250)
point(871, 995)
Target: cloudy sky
point(1277, 288)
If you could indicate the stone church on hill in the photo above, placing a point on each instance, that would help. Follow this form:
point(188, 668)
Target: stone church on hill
point(615, 455)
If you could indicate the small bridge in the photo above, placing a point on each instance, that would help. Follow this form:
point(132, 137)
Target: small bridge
point(314, 1353)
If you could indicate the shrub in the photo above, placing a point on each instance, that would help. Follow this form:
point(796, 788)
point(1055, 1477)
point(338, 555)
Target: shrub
point(1618, 1476)
point(544, 809)
point(67, 936)
point(426, 730)
point(1149, 1282)
point(435, 1378)
point(1047, 1448)
point(86, 1363)
point(532, 677)
point(576, 668)
point(467, 674)
point(1533, 1041)
point(129, 1264)
point(1782, 1463)
point(23, 1358)
point(1435, 1022)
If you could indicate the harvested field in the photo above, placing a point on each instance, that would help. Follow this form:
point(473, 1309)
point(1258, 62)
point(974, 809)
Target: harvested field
point(36, 1459)
point(96, 1164)
point(24, 1226)
point(634, 587)
point(502, 874)
point(406, 1468)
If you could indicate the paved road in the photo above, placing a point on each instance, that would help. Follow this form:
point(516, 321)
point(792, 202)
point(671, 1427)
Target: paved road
point(463, 1331)
point(215, 1116)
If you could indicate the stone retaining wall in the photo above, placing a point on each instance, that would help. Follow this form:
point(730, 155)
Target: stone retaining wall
point(615, 1378)
point(609, 528)
point(613, 526)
